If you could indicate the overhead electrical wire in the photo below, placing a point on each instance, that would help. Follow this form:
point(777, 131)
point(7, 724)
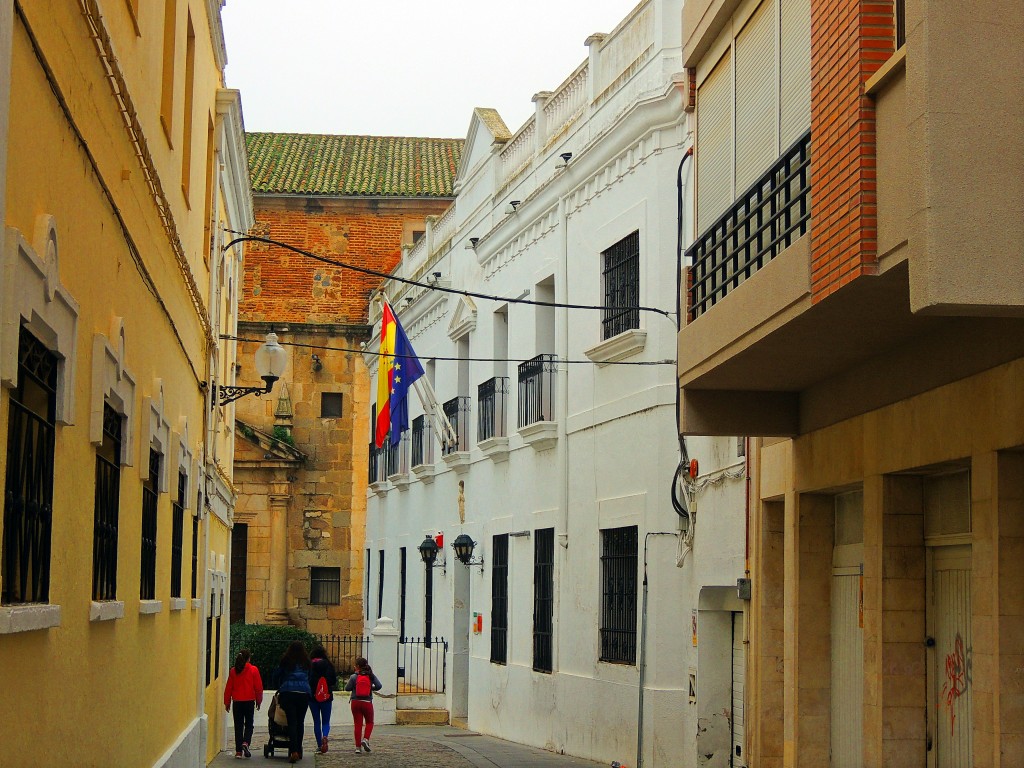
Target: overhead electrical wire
point(434, 287)
point(229, 337)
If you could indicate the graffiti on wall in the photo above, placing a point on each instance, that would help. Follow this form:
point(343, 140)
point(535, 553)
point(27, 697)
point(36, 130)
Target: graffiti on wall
point(957, 680)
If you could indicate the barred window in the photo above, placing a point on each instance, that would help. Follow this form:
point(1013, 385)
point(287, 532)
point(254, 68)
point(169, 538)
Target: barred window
point(178, 535)
point(106, 508)
point(499, 600)
point(621, 278)
point(618, 594)
point(325, 586)
point(543, 597)
point(195, 545)
point(330, 405)
point(147, 573)
point(28, 491)
point(380, 583)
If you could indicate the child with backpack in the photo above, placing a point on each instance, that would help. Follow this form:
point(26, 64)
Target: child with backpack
point(323, 679)
point(362, 684)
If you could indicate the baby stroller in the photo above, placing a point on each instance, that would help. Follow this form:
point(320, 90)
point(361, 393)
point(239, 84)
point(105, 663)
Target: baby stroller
point(278, 734)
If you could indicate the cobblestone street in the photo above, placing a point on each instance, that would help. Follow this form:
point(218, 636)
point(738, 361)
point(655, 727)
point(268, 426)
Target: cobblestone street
point(408, 747)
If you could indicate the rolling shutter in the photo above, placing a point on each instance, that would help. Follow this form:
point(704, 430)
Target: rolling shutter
point(795, 71)
point(756, 84)
point(714, 144)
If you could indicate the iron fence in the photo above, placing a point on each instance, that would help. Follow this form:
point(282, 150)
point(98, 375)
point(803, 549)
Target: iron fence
point(422, 665)
point(764, 221)
point(342, 651)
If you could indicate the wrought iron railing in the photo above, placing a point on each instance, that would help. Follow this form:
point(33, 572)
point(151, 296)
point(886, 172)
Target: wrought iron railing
point(621, 278)
point(457, 412)
point(618, 594)
point(543, 597)
point(342, 651)
point(422, 444)
point(537, 389)
point(106, 508)
point(422, 665)
point(147, 572)
point(492, 407)
point(763, 222)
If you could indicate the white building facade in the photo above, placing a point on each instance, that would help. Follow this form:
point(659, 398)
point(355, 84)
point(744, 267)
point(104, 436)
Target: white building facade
point(596, 619)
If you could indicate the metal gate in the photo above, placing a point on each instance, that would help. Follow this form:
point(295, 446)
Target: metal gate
point(950, 686)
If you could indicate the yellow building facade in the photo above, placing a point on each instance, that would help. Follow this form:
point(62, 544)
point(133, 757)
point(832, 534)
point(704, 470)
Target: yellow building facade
point(123, 161)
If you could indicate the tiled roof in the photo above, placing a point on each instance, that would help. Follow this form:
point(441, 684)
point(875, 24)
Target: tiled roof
point(374, 166)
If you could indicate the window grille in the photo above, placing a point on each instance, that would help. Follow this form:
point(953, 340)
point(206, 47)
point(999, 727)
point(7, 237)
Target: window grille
point(401, 594)
point(618, 594)
point(216, 658)
point(209, 645)
point(330, 405)
point(499, 600)
point(28, 492)
point(621, 277)
point(177, 535)
point(106, 508)
point(366, 598)
point(428, 605)
point(195, 546)
point(325, 586)
point(422, 444)
point(380, 583)
point(492, 405)
point(543, 597)
point(537, 389)
point(147, 573)
point(457, 412)
point(901, 23)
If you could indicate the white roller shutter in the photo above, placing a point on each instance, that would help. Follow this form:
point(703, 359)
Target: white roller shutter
point(756, 97)
point(795, 71)
point(714, 143)
point(739, 667)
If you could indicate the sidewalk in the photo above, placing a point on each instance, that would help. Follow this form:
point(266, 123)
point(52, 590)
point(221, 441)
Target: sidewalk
point(404, 746)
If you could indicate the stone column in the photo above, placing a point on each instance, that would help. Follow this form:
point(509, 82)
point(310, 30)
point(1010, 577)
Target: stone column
point(383, 657)
point(277, 611)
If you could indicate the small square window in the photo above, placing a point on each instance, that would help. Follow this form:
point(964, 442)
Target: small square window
point(325, 586)
point(330, 405)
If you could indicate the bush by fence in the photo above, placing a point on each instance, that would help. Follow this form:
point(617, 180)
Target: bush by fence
point(267, 643)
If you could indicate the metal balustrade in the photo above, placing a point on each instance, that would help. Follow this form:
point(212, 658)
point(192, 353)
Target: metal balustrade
point(537, 389)
point(457, 412)
point(422, 665)
point(422, 442)
point(492, 405)
point(769, 217)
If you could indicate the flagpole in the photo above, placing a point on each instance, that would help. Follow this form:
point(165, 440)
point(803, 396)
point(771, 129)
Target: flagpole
point(428, 399)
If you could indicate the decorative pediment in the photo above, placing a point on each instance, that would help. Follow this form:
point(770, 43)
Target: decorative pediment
point(112, 383)
point(156, 436)
point(463, 318)
point(486, 129)
point(256, 445)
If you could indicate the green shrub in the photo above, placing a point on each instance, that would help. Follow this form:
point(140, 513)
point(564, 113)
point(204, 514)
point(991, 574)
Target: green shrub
point(267, 643)
point(281, 434)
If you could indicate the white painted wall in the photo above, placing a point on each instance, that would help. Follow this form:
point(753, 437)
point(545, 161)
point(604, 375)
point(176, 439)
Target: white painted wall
point(616, 450)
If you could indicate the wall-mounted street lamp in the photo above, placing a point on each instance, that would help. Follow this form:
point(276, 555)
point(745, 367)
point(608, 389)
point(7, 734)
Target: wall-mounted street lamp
point(463, 546)
point(270, 360)
point(428, 553)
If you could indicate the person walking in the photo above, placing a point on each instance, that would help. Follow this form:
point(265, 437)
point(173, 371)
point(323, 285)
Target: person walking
point(323, 679)
point(362, 684)
point(293, 694)
point(245, 689)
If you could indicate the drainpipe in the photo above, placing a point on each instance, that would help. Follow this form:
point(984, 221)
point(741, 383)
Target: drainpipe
point(643, 653)
point(562, 404)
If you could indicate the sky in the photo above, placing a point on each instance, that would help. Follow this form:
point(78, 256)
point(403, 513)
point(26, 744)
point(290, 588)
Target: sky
point(403, 67)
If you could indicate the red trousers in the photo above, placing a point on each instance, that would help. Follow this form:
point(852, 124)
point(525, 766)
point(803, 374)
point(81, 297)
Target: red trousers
point(362, 710)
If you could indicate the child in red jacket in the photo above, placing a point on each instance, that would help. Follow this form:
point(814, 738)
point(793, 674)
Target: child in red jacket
point(246, 688)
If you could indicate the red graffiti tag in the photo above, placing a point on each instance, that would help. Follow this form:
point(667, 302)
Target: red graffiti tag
point(956, 679)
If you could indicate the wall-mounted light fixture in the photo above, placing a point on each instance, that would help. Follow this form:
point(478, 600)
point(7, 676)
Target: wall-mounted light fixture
point(463, 546)
point(472, 243)
point(566, 157)
point(318, 364)
point(512, 205)
point(433, 278)
point(428, 553)
point(270, 360)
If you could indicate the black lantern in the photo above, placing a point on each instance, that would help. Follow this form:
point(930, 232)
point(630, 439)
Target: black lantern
point(428, 551)
point(463, 546)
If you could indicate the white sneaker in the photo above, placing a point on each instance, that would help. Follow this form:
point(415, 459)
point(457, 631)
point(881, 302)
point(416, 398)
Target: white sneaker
point(366, 745)
point(359, 751)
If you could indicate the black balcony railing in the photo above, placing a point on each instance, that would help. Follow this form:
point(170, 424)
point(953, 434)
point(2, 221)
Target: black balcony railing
point(457, 412)
point(492, 408)
point(537, 389)
point(422, 444)
point(762, 223)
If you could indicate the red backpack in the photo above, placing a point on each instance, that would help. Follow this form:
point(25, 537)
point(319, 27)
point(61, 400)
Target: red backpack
point(323, 692)
point(364, 686)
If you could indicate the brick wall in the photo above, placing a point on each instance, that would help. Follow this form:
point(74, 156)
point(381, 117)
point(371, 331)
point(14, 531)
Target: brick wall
point(283, 286)
point(850, 40)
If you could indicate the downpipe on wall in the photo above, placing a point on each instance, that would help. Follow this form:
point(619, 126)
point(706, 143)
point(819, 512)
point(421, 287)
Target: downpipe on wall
point(643, 653)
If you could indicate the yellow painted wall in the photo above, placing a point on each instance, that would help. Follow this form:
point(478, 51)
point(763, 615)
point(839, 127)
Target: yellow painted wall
point(118, 692)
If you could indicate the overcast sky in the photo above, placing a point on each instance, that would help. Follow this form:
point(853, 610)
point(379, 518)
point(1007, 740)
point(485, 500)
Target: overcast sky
point(402, 67)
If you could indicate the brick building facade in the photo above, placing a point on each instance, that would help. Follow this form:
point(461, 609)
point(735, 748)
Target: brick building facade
point(302, 452)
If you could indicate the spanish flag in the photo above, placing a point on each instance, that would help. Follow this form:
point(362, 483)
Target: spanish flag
point(397, 369)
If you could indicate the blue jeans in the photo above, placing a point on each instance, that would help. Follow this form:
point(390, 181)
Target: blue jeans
point(321, 719)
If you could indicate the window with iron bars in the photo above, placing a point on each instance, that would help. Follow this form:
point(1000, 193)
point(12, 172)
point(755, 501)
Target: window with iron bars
point(380, 583)
point(543, 597)
point(147, 573)
point(324, 586)
point(422, 444)
point(457, 412)
point(621, 279)
point(499, 600)
point(618, 594)
point(402, 576)
point(195, 545)
point(492, 399)
point(537, 389)
point(106, 507)
point(28, 490)
point(178, 535)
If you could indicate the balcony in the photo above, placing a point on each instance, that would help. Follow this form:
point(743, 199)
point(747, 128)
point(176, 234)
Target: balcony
point(456, 452)
point(492, 416)
point(422, 449)
point(537, 401)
